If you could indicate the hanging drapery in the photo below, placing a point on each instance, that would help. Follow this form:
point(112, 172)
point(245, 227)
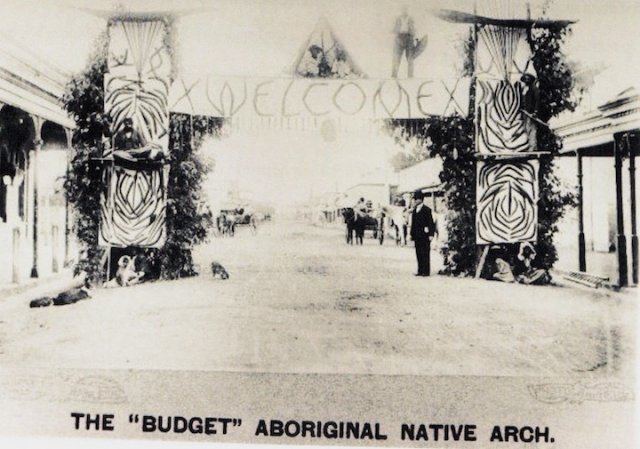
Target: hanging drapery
point(502, 52)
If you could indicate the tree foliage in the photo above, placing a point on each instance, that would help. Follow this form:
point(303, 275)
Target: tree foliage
point(83, 99)
point(405, 159)
point(188, 219)
point(557, 94)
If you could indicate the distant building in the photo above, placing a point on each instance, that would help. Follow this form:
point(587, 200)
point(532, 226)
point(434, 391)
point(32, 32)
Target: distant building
point(378, 186)
point(423, 176)
point(377, 193)
point(35, 135)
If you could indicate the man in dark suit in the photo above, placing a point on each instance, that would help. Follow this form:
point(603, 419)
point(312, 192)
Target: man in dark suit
point(422, 230)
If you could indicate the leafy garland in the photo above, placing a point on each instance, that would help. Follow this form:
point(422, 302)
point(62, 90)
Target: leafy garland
point(452, 138)
point(187, 220)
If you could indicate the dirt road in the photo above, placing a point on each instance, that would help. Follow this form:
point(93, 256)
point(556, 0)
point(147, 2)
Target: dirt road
point(300, 300)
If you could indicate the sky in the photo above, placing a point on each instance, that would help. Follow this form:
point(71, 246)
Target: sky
point(263, 37)
point(283, 168)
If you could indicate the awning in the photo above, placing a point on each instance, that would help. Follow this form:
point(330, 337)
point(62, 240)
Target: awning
point(33, 104)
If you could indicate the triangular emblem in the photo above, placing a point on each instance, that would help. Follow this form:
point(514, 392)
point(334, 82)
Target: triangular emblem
point(323, 55)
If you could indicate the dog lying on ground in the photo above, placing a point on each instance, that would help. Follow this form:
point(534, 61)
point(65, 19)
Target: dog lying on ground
point(69, 297)
point(41, 302)
point(126, 274)
point(218, 270)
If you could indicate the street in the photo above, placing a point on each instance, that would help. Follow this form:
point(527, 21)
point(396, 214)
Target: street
point(299, 300)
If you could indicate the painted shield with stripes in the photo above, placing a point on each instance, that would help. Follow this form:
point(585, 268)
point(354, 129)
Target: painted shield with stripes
point(146, 103)
point(137, 83)
point(502, 126)
point(507, 202)
point(133, 208)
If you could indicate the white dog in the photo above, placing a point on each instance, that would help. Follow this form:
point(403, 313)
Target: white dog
point(126, 274)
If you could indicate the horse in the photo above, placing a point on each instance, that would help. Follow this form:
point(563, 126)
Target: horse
point(397, 222)
point(359, 225)
point(349, 219)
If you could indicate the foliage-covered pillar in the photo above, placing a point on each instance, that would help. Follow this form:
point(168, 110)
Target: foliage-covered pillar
point(139, 75)
point(506, 178)
point(136, 91)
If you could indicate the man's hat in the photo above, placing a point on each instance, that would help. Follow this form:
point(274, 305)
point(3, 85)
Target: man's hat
point(418, 195)
point(527, 77)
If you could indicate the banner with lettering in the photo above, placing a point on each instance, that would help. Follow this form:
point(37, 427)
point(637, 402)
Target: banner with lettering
point(290, 98)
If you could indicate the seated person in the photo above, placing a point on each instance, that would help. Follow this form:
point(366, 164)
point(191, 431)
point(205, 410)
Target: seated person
point(499, 269)
point(527, 273)
point(503, 271)
point(130, 145)
point(340, 67)
point(314, 64)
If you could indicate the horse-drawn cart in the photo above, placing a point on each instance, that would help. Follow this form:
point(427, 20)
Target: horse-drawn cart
point(358, 222)
point(229, 220)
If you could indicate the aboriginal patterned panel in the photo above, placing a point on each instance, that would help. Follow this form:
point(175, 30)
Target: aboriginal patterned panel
point(133, 207)
point(145, 102)
point(139, 77)
point(503, 56)
point(502, 127)
point(507, 202)
point(136, 86)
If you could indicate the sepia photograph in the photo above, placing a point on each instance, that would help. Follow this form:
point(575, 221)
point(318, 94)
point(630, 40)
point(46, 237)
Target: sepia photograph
point(400, 223)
